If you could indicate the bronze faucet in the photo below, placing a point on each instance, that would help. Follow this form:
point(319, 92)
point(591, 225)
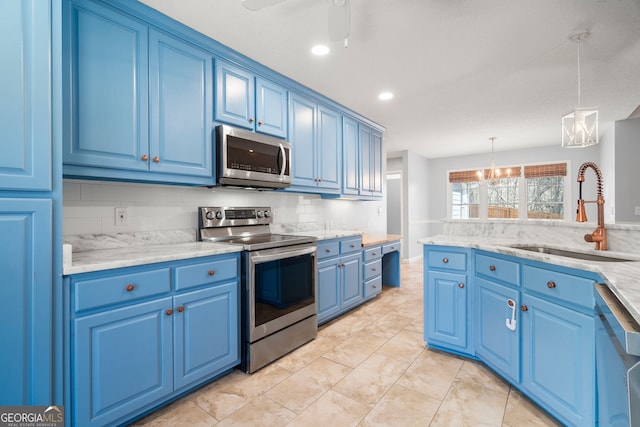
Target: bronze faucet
point(599, 236)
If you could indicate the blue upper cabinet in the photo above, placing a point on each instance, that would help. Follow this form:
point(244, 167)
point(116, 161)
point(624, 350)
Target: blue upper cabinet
point(235, 94)
point(108, 122)
point(181, 94)
point(248, 101)
point(362, 160)
point(25, 115)
point(315, 133)
point(139, 100)
point(350, 157)
point(271, 108)
point(302, 134)
point(329, 148)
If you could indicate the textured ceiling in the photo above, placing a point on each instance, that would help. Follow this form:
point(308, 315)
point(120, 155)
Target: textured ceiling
point(461, 70)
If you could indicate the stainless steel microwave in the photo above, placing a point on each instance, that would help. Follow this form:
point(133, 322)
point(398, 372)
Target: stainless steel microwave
point(249, 159)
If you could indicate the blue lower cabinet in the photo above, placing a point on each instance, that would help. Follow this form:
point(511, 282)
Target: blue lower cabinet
point(122, 360)
point(558, 359)
point(446, 319)
point(137, 341)
point(340, 285)
point(202, 323)
point(497, 329)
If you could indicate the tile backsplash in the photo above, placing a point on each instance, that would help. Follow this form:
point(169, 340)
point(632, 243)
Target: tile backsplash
point(89, 208)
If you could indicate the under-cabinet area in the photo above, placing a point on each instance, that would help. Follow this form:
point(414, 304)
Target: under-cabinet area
point(534, 323)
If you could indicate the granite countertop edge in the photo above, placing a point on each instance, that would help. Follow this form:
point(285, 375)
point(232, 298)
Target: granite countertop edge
point(623, 278)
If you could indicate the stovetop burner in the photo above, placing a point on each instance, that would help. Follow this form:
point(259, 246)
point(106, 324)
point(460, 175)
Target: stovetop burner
point(247, 226)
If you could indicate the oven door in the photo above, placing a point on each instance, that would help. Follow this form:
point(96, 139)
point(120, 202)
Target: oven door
point(280, 288)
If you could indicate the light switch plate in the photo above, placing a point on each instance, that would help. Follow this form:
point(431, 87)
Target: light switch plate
point(637, 210)
point(122, 216)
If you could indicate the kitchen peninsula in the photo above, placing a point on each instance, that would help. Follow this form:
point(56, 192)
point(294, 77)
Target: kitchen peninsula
point(527, 304)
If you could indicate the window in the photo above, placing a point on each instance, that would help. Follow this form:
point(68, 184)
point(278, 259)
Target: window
point(503, 198)
point(539, 193)
point(545, 191)
point(465, 194)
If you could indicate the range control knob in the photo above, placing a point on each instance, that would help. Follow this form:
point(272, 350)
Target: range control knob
point(259, 214)
point(267, 214)
point(209, 215)
point(218, 214)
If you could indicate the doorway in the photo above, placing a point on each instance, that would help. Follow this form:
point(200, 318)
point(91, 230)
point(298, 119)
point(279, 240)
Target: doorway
point(394, 202)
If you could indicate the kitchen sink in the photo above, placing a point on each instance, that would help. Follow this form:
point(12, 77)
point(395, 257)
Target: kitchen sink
point(571, 254)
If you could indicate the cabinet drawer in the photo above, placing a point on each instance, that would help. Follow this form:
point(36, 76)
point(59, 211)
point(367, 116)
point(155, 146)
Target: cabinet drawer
point(390, 247)
point(559, 286)
point(496, 268)
point(103, 291)
point(447, 260)
point(328, 248)
point(352, 244)
point(202, 273)
point(372, 287)
point(372, 269)
point(372, 253)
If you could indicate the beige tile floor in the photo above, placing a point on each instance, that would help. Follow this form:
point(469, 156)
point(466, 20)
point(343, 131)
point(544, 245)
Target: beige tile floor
point(370, 367)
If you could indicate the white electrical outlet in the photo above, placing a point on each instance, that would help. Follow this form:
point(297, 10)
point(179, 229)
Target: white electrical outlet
point(637, 210)
point(122, 216)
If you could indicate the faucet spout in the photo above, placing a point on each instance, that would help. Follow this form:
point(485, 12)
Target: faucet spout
point(599, 236)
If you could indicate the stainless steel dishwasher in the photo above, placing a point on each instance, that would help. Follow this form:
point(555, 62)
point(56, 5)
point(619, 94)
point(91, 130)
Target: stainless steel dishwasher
point(617, 361)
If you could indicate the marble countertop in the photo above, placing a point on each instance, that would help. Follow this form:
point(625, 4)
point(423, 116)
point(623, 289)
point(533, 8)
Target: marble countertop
point(328, 234)
point(107, 259)
point(371, 240)
point(623, 278)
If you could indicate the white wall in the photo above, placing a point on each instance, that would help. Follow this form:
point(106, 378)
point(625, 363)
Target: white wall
point(627, 156)
point(89, 208)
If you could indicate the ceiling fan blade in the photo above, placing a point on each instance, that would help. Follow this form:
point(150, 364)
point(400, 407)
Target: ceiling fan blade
point(259, 4)
point(339, 20)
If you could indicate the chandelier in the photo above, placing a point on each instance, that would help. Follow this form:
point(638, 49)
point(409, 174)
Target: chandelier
point(580, 126)
point(491, 175)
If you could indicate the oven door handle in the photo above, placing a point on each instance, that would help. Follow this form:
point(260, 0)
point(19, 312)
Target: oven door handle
point(258, 257)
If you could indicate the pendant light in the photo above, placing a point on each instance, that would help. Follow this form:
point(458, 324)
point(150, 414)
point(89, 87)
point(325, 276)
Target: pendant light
point(580, 126)
point(491, 175)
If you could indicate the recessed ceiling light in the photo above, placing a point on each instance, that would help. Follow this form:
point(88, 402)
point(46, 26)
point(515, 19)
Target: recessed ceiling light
point(385, 96)
point(320, 50)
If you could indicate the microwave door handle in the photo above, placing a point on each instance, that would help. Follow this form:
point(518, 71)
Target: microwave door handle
point(283, 154)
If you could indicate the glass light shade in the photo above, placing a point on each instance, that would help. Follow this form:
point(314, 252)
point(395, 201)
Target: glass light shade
point(580, 128)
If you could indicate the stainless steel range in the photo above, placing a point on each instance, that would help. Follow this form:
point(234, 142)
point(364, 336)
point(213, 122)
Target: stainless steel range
point(278, 302)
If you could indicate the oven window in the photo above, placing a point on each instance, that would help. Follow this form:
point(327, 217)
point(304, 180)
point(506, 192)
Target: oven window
point(254, 156)
point(283, 286)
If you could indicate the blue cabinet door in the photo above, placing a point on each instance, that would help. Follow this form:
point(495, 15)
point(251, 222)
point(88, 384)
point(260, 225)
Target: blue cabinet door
point(350, 157)
point(497, 344)
point(351, 275)
point(328, 288)
point(180, 100)
point(329, 150)
point(271, 108)
point(376, 164)
point(25, 103)
point(302, 134)
point(235, 95)
point(364, 136)
point(122, 360)
point(558, 359)
point(26, 316)
point(446, 310)
point(206, 328)
point(108, 120)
